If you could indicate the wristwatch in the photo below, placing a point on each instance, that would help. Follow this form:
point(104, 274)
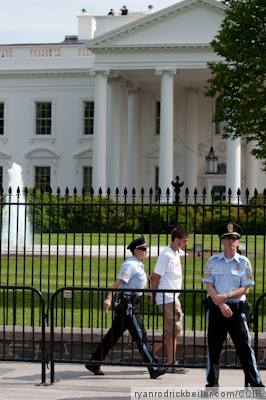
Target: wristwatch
point(229, 295)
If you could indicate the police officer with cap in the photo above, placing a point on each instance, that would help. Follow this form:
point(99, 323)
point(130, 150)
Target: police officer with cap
point(131, 277)
point(228, 276)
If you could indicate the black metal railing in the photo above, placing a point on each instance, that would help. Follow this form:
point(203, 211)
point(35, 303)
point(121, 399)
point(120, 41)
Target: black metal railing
point(19, 338)
point(71, 240)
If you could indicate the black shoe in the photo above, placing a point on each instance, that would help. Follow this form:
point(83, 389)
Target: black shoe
point(154, 373)
point(96, 369)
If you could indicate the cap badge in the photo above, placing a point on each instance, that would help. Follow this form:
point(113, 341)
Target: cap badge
point(238, 266)
point(230, 228)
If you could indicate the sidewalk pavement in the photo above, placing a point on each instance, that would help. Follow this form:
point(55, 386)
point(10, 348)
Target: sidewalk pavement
point(18, 380)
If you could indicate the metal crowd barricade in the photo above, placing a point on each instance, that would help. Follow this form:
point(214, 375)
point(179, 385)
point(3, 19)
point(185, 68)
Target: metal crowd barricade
point(19, 328)
point(84, 304)
point(256, 325)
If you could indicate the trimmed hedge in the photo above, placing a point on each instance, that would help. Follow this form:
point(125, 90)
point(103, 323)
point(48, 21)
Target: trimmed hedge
point(88, 214)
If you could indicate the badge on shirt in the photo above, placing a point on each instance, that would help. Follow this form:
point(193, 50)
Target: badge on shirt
point(238, 266)
point(124, 276)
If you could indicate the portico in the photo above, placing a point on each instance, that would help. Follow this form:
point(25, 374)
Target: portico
point(155, 59)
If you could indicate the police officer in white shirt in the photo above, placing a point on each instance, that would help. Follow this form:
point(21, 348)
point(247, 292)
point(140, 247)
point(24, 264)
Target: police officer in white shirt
point(228, 276)
point(131, 277)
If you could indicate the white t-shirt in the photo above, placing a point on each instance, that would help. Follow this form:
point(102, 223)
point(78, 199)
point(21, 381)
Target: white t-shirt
point(169, 267)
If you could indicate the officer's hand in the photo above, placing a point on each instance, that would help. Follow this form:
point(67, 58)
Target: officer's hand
point(107, 303)
point(218, 299)
point(226, 310)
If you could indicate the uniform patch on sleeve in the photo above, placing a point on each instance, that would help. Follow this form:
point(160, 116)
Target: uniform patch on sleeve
point(208, 267)
point(250, 277)
point(206, 275)
point(124, 276)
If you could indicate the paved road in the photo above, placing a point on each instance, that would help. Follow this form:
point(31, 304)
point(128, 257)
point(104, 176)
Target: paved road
point(18, 381)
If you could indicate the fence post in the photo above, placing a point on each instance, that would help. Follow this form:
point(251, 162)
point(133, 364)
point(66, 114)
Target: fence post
point(177, 201)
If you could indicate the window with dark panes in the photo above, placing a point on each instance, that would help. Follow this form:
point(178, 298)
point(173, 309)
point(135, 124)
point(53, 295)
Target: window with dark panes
point(219, 192)
point(44, 118)
point(158, 116)
point(1, 176)
point(43, 178)
point(87, 179)
point(88, 117)
point(2, 106)
point(156, 182)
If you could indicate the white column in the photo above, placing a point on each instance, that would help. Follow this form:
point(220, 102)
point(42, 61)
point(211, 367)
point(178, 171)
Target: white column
point(133, 141)
point(113, 135)
point(100, 130)
point(252, 170)
point(123, 135)
point(233, 168)
point(192, 142)
point(166, 152)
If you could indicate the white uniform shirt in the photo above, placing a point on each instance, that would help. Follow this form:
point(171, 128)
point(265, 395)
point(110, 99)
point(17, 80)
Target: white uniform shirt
point(227, 276)
point(168, 266)
point(133, 275)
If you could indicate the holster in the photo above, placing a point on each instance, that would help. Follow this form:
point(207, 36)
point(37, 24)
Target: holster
point(207, 303)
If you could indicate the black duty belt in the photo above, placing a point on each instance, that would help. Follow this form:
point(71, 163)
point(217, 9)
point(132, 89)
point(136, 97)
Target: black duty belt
point(240, 306)
point(134, 298)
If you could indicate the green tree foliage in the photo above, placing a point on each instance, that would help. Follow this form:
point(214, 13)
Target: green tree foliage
point(238, 80)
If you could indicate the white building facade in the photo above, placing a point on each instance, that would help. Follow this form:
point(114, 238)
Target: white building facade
point(122, 105)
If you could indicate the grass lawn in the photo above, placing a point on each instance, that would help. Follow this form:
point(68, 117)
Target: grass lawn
point(254, 243)
point(85, 309)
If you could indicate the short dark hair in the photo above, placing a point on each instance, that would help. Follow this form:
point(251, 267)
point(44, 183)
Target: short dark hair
point(179, 233)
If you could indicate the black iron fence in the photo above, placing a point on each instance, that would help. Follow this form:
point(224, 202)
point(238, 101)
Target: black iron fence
point(49, 241)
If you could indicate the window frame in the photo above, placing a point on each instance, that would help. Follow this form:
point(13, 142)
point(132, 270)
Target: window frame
point(89, 167)
point(43, 120)
point(2, 119)
point(89, 119)
point(35, 173)
point(33, 113)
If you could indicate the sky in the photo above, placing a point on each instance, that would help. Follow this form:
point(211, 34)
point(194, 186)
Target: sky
point(49, 21)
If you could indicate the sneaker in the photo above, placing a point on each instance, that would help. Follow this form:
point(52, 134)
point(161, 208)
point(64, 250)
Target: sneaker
point(177, 370)
point(154, 373)
point(96, 369)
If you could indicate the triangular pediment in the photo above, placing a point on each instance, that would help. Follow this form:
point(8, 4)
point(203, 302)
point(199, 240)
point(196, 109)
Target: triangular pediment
point(84, 154)
point(190, 22)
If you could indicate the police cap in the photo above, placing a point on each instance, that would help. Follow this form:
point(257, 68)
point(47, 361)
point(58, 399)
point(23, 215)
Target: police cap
point(230, 230)
point(139, 243)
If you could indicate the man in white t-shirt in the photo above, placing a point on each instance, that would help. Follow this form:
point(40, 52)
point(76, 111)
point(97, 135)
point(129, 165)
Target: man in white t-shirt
point(167, 275)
